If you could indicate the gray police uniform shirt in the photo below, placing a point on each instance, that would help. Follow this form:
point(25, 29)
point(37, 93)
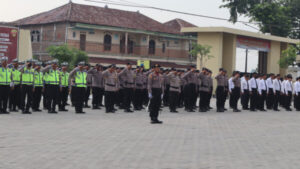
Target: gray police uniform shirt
point(175, 82)
point(155, 81)
point(111, 81)
point(129, 78)
point(139, 80)
point(97, 78)
point(236, 81)
point(221, 80)
point(190, 78)
point(204, 86)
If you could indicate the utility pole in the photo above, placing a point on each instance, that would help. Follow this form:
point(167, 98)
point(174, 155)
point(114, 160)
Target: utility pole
point(246, 63)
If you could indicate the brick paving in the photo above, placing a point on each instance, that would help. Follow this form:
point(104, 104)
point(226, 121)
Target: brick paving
point(246, 140)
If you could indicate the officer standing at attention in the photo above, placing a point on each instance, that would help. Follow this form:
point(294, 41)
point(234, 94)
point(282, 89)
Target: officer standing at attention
point(270, 91)
point(262, 90)
point(236, 91)
point(88, 88)
point(288, 92)
point(111, 82)
point(220, 91)
point(175, 89)
point(190, 78)
point(14, 98)
point(6, 83)
point(27, 86)
point(53, 86)
point(253, 92)
point(79, 75)
point(155, 93)
point(37, 87)
point(139, 86)
point(64, 87)
point(277, 92)
point(245, 91)
point(204, 90)
point(129, 84)
point(97, 84)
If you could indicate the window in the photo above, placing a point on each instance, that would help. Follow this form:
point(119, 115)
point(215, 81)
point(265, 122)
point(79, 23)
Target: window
point(74, 34)
point(107, 42)
point(35, 36)
point(151, 47)
point(163, 47)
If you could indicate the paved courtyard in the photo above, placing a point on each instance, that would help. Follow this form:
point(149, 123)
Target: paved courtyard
point(246, 140)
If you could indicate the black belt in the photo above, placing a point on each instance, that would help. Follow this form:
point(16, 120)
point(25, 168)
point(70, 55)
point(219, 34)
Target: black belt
point(139, 84)
point(174, 87)
point(110, 85)
point(129, 83)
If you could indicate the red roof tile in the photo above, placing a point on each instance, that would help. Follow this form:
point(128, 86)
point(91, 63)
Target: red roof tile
point(177, 24)
point(101, 16)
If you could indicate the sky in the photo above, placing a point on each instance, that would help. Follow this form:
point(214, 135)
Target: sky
point(11, 10)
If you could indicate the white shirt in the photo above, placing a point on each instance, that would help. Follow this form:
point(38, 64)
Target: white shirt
point(244, 85)
point(282, 86)
point(296, 87)
point(269, 83)
point(262, 86)
point(276, 85)
point(252, 84)
point(231, 84)
point(288, 87)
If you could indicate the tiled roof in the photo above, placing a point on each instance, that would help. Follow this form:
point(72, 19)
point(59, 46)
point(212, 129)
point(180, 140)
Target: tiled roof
point(79, 13)
point(177, 24)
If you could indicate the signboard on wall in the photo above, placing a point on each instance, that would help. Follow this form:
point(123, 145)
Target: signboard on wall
point(145, 63)
point(8, 42)
point(253, 43)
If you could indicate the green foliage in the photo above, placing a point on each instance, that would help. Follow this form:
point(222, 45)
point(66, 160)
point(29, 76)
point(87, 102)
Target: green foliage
point(278, 17)
point(66, 54)
point(289, 56)
point(201, 51)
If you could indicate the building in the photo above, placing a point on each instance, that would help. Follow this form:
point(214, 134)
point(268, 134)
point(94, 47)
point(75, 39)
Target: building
point(225, 41)
point(110, 35)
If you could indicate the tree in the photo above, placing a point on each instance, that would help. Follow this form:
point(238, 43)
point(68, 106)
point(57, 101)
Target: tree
point(66, 54)
point(277, 17)
point(61, 53)
point(289, 56)
point(201, 51)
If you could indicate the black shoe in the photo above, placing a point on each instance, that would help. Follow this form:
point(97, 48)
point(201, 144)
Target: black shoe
point(86, 106)
point(26, 112)
point(202, 110)
point(101, 105)
point(225, 109)
point(63, 109)
point(276, 110)
point(128, 111)
point(220, 110)
point(236, 110)
point(96, 108)
point(190, 110)
point(289, 109)
point(5, 112)
point(156, 122)
point(14, 110)
point(81, 112)
point(253, 110)
point(262, 110)
point(246, 109)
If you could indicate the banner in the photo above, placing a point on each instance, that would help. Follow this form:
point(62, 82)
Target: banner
point(145, 63)
point(253, 44)
point(8, 42)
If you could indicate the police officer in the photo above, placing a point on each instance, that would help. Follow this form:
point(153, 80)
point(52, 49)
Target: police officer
point(6, 83)
point(64, 87)
point(270, 91)
point(288, 92)
point(53, 86)
point(27, 86)
point(245, 92)
point(97, 84)
point(220, 91)
point(277, 92)
point(14, 98)
point(211, 86)
point(175, 89)
point(253, 86)
point(204, 90)
point(191, 79)
point(155, 93)
point(236, 91)
point(37, 87)
point(262, 90)
point(88, 89)
point(139, 86)
point(129, 77)
point(79, 75)
point(111, 82)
